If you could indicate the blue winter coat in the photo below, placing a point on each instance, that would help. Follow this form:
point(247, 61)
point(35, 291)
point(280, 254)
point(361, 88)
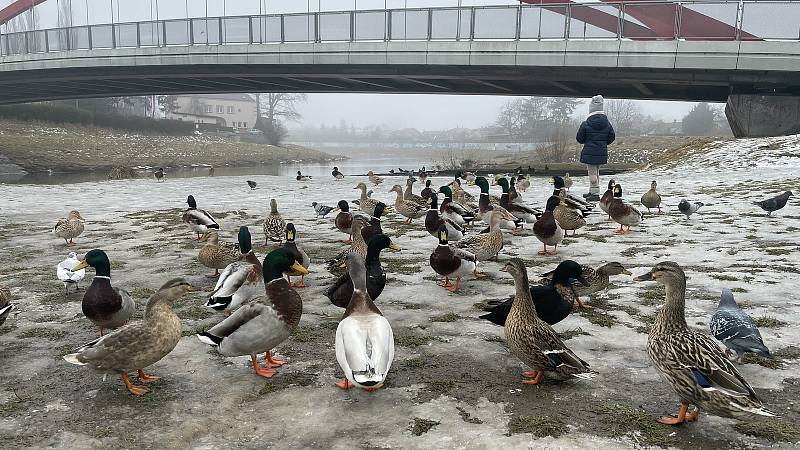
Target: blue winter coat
point(595, 134)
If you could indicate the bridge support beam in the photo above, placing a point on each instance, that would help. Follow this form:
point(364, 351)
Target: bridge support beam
point(763, 115)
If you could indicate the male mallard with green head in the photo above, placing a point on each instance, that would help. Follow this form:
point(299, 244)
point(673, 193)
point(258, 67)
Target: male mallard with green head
point(622, 212)
point(299, 255)
point(434, 219)
point(340, 292)
point(547, 229)
point(598, 279)
point(199, 220)
point(691, 361)
point(263, 322)
point(533, 341)
point(70, 227)
point(450, 261)
point(217, 255)
point(344, 220)
point(240, 281)
point(105, 305)
point(273, 224)
point(139, 344)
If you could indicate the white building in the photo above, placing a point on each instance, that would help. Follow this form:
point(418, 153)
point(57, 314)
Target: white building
point(225, 110)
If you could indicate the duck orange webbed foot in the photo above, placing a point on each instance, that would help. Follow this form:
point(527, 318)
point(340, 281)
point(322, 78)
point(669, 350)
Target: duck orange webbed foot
point(582, 305)
point(445, 282)
point(266, 372)
point(478, 274)
point(454, 287)
point(274, 362)
point(536, 377)
point(344, 384)
point(133, 388)
point(144, 378)
point(684, 415)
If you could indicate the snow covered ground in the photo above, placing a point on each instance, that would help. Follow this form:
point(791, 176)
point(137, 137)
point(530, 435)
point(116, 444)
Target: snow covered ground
point(453, 383)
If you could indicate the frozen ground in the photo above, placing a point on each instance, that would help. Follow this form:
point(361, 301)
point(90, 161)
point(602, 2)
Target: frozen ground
point(453, 383)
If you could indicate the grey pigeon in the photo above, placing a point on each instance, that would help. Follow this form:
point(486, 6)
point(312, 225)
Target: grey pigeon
point(252, 184)
point(688, 207)
point(774, 203)
point(735, 329)
point(321, 210)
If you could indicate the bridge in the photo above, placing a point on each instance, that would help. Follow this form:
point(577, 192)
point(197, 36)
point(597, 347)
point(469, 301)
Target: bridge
point(744, 52)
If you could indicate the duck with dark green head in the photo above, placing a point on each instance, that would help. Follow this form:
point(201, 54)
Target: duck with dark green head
point(240, 281)
point(105, 305)
point(344, 220)
point(373, 228)
point(454, 211)
point(340, 292)
point(450, 261)
point(264, 322)
point(434, 219)
point(299, 255)
point(198, 220)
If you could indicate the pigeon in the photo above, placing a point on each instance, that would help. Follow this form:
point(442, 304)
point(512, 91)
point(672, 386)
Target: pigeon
point(66, 275)
point(689, 208)
point(321, 210)
point(735, 329)
point(252, 184)
point(775, 203)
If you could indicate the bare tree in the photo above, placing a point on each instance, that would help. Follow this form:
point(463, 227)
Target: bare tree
point(625, 115)
point(272, 108)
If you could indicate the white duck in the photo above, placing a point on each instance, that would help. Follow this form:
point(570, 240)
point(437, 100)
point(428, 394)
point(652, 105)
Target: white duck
point(364, 338)
point(66, 275)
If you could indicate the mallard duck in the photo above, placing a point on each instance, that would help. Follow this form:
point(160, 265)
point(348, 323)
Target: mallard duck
point(321, 210)
point(568, 218)
point(735, 329)
point(66, 275)
point(513, 195)
point(485, 245)
point(364, 340)
point(273, 224)
point(139, 344)
point(597, 279)
point(422, 174)
point(70, 227)
point(263, 322)
point(299, 255)
point(159, 174)
point(359, 246)
point(622, 212)
point(518, 210)
point(433, 220)
point(301, 177)
point(252, 184)
point(407, 208)
point(217, 255)
point(374, 179)
point(688, 208)
point(773, 204)
point(454, 211)
point(691, 362)
point(571, 200)
point(103, 304)
point(567, 181)
point(5, 304)
point(533, 341)
point(651, 199)
point(340, 292)
point(608, 195)
point(372, 226)
point(554, 298)
point(240, 281)
point(486, 206)
point(523, 183)
point(547, 229)
point(198, 220)
point(336, 174)
point(469, 177)
point(408, 194)
point(427, 191)
point(450, 261)
point(366, 203)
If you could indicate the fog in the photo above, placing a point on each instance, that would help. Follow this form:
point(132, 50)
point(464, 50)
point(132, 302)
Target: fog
point(435, 112)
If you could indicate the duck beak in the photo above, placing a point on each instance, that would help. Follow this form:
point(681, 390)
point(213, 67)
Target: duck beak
point(627, 272)
point(297, 267)
point(645, 277)
point(81, 265)
point(393, 247)
point(583, 280)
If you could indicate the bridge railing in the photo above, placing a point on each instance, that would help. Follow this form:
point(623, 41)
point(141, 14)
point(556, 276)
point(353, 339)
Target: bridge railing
point(692, 20)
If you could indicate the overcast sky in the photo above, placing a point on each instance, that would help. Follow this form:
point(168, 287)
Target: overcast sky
point(433, 112)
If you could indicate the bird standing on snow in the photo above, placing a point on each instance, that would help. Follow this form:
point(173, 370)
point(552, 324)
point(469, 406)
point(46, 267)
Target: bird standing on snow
point(70, 227)
point(735, 329)
point(336, 174)
point(66, 275)
point(252, 184)
point(321, 210)
point(775, 203)
point(198, 219)
point(159, 174)
point(689, 208)
point(301, 177)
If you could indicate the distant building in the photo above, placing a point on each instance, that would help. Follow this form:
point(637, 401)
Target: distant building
point(225, 110)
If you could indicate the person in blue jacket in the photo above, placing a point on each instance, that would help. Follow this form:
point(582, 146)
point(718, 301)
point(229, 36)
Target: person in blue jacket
point(595, 133)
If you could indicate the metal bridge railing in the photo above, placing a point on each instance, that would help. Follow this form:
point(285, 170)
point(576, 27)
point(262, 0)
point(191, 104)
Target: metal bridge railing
point(693, 20)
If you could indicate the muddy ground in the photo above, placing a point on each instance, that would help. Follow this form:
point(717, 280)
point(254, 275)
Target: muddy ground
point(453, 384)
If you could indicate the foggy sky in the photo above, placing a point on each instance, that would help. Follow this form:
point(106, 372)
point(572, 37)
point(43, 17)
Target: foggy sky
point(435, 112)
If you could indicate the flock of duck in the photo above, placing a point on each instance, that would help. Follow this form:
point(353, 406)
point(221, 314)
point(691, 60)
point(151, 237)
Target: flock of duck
point(262, 305)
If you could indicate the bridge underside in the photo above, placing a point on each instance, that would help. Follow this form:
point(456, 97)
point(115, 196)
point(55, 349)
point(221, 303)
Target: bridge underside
point(669, 84)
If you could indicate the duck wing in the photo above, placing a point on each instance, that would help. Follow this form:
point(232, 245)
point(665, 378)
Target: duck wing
point(341, 291)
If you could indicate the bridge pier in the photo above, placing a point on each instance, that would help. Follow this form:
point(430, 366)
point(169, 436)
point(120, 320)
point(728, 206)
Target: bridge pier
point(763, 115)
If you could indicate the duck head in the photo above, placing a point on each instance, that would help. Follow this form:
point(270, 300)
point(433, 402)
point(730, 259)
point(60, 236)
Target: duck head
point(567, 272)
point(98, 259)
point(397, 188)
point(611, 184)
point(190, 201)
point(279, 261)
point(503, 184)
point(666, 273)
point(653, 185)
point(613, 268)
point(618, 191)
point(382, 242)
point(343, 206)
point(483, 184)
point(380, 210)
point(273, 206)
point(427, 183)
point(361, 186)
point(442, 234)
point(552, 203)
point(516, 268)
point(245, 240)
point(171, 291)
point(557, 182)
point(75, 215)
point(433, 202)
point(290, 232)
point(448, 193)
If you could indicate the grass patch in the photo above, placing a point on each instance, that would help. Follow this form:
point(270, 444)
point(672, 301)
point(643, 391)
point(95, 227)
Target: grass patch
point(421, 426)
point(539, 426)
point(441, 386)
point(595, 238)
point(305, 334)
point(768, 322)
point(790, 352)
point(652, 295)
point(12, 408)
point(599, 318)
point(623, 419)
point(739, 290)
point(412, 340)
point(723, 277)
point(195, 312)
point(43, 333)
point(772, 431)
point(142, 292)
point(415, 363)
point(449, 317)
point(769, 363)
point(116, 264)
point(569, 334)
point(493, 338)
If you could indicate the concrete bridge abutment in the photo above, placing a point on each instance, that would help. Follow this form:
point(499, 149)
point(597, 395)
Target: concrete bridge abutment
point(752, 115)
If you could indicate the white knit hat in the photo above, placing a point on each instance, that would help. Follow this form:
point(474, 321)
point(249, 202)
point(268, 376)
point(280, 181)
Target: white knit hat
point(596, 104)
